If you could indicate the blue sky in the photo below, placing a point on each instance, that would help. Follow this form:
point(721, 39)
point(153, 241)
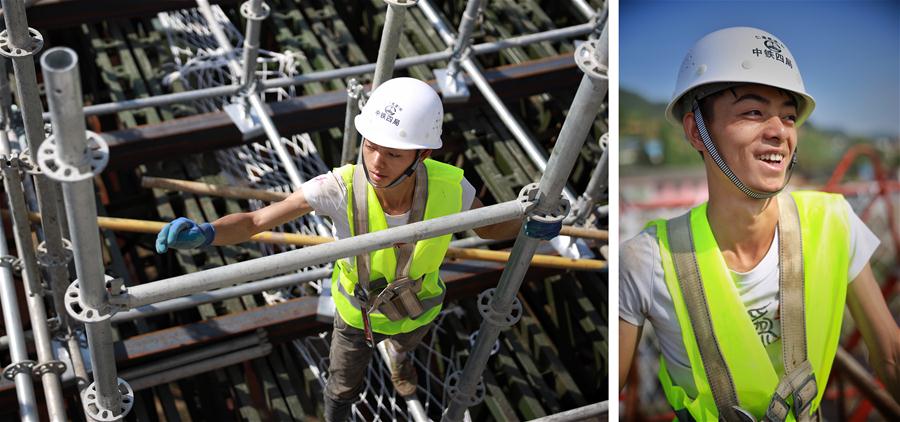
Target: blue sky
point(848, 51)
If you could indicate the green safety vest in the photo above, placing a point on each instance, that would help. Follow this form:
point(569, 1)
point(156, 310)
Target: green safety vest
point(444, 198)
point(825, 257)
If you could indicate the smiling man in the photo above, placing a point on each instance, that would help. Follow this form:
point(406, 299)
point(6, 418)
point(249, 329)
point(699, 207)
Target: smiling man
point(391, 294)
point(746, 292)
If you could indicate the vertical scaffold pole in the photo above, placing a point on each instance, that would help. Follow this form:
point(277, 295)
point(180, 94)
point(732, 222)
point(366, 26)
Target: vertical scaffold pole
point(499, 307)
point(21, 43)
point(348, 151)
point(255, 11)
point(18, 352)
point(596, 185)
point(74, 156)
point(390, 40)
point(532, 150)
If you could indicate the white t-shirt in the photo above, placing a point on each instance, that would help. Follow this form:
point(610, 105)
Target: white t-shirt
point(327, 196)
point(643, 295)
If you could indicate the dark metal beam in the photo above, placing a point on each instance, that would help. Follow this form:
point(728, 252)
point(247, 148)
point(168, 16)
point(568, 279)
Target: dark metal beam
point(312, 113)
point(51, 14)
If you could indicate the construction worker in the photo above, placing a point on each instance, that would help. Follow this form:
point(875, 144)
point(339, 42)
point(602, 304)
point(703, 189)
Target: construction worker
point(746, 292)
point(392, 293)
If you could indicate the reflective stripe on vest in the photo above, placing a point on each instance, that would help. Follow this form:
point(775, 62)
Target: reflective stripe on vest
point(825, 256)
point(444, 198)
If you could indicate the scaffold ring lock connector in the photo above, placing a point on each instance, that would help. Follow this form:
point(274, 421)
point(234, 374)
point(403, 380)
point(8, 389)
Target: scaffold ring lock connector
point(468, 400)
point(247, 11)
point(26, 164)
point(17, 368)
point(80, 311)
point(14, 264)
point(402, 3)
point(12, 51)
point(48, 260)
point(588, 61)
point(502, 320)
point(530, 194)
point(50, 367)
point(96, 155)
point(92, 407)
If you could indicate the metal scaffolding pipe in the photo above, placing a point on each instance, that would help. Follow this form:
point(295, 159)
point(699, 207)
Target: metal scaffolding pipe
point(532, 149)
point(390, 40)
point(593, 191)
point(12, 322)
point(297, 259)
point(464, 35)
point(348, 150)
point(60, 68)
point(325, 75)
point(254, 11)
point(194, 300)
point(26, 42)
point(590, 411)
point(37, 312)
point(262, 111)
point(584, 8)
point(499, 312)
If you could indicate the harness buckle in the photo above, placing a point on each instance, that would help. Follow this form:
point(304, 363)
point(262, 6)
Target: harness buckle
point(804, 393)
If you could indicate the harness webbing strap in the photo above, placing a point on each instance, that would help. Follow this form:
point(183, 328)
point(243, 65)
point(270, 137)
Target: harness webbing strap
point(793, 317)
point(717, 373)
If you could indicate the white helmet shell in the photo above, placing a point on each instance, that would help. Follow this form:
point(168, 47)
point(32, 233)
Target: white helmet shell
point(738, 55)
point(402, 113)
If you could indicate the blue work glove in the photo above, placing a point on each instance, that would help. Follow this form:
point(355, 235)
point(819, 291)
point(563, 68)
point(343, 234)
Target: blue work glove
point(184, 233)
point(542, 230)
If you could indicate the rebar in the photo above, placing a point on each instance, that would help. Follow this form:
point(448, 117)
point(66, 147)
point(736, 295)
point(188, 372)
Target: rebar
point(297, 259)
point(390, 40)
point(531, 148)
point(584, 109)
point(60, 69)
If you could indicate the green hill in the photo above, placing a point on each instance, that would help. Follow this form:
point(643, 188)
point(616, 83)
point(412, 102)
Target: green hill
point(644, 131)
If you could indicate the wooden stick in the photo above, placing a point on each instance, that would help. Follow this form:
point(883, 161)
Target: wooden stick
point(207, 189)
point(277, 238)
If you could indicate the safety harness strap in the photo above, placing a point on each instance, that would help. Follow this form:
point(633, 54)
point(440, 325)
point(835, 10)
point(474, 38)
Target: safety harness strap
point(799, 381)
point(718, 374)
point(402, 291)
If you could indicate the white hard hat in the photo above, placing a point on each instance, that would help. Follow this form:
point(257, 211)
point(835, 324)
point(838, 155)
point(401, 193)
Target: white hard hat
point(402, 113)
point(737, 55)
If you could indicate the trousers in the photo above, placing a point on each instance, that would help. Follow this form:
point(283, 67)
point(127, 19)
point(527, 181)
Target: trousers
point(349, 358)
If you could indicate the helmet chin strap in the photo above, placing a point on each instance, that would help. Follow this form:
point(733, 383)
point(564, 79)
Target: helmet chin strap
point(406, 173)
point(720, 162)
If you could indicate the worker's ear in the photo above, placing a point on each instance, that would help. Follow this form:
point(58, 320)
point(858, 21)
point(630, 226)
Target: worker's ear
point(692, 132)
point(424, 154)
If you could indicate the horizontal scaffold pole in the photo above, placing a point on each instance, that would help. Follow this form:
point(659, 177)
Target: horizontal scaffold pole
point(209, 189)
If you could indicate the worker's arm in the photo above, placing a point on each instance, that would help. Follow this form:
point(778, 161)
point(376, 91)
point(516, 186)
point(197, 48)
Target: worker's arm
point(629, 336)
point(878, 328)
point(239, 227)
point(500, 231)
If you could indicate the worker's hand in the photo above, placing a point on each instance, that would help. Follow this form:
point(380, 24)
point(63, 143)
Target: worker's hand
point(183, 233)
point(542, 230)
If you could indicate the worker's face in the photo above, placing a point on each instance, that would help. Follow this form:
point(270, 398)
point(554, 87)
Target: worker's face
point(753, 127)
point(386, 164)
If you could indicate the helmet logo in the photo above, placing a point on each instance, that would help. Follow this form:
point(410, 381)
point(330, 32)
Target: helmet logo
point(388, 113)
point(773, 49)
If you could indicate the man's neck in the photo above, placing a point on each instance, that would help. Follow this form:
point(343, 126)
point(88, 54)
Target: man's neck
point(398, 199)
point(744, 227)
